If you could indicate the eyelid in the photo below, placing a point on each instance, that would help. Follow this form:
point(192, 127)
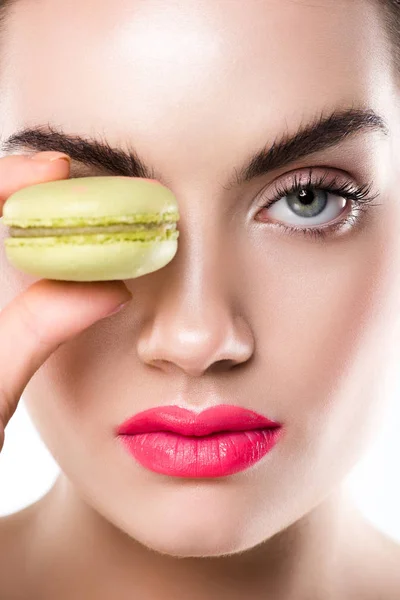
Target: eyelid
point(329, 174)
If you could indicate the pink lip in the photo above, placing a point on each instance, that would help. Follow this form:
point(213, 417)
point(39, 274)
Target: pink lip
point(219, 441)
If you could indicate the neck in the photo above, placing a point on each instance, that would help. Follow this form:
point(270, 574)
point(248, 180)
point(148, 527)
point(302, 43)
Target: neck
point(80, 549)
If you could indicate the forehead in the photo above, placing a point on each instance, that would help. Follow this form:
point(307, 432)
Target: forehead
point(212, 67)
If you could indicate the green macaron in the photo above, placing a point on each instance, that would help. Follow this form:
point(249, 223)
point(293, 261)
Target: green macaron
point(91, 228)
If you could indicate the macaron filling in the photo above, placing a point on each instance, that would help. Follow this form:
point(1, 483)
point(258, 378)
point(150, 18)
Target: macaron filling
point(95, 235)
point(158, 229)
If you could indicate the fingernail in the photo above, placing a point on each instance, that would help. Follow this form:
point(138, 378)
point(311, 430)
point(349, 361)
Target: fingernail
point(120, 307)
point(50, 156)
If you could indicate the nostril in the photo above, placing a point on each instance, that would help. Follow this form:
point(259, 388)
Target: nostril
point(224, 365)
point(160, 364)
point(216, 367)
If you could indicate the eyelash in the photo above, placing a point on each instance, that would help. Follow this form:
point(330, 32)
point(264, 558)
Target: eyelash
point(360, 196)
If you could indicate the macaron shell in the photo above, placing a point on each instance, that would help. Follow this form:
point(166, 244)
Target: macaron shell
point(87, 200)
point(92, 262)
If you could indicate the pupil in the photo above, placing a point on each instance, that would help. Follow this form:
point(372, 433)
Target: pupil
point(307, 196)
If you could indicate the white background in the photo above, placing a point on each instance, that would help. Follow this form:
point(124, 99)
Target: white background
point(27, 470)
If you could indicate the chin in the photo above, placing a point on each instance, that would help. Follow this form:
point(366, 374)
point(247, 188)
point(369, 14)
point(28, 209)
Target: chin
point(196, 533)
point(198, 543)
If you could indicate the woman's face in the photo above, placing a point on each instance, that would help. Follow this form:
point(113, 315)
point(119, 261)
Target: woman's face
point(196, 89)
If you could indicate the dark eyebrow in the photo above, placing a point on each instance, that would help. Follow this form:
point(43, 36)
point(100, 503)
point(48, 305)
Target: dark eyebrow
point(321, 134)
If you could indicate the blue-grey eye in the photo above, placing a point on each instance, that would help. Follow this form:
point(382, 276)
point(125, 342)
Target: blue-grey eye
point(307, 207)
point(308, 203)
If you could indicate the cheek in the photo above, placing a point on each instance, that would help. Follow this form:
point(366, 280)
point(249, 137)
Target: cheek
point(76, 388)
point(85, 389)
point(321, 316)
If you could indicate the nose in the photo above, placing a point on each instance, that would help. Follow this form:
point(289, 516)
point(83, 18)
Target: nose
point(195, 340)
point(195, 325)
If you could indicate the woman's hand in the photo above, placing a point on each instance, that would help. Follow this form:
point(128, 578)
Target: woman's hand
point(48, 313)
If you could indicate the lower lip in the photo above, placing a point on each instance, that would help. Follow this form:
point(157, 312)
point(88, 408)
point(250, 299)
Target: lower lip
point(215, 455)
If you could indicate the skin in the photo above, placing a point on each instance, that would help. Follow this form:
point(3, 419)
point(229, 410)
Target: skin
point(196, 88)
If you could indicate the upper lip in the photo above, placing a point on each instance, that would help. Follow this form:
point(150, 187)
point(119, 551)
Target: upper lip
point(179, 420)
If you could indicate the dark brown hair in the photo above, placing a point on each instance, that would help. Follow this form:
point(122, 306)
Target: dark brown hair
point(391, 18)
point(4, 5)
